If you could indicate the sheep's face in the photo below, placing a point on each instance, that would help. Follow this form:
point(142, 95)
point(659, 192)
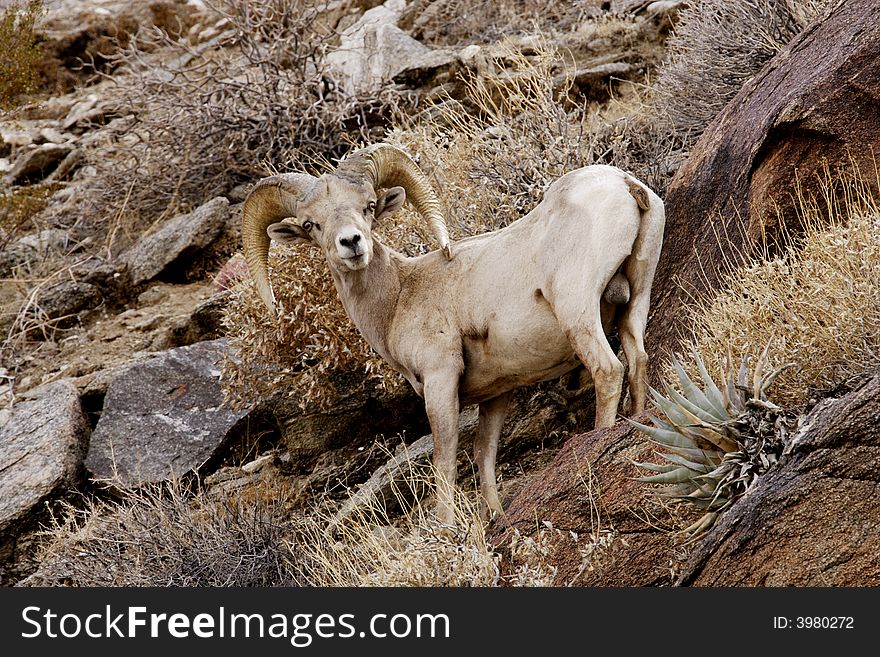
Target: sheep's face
point(337, 216)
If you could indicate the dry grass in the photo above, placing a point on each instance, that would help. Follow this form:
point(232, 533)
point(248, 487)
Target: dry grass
point(817, 302)
point(716, 47)
point(373, 547)
point(166, 535)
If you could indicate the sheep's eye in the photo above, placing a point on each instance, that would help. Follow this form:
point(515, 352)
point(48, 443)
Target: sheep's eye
point(307, 225)
point(371, 206)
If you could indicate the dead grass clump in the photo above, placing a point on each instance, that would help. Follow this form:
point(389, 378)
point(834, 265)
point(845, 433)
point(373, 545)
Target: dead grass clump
point(372, 548)
point(817, 303)
point(165, 535)
point(418, 552)
point(19, 66)
point(716, 47)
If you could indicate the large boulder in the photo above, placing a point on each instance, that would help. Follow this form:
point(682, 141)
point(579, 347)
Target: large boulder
point(162, 417)
point(814, 519)
point(42, 442)
point(815, 104)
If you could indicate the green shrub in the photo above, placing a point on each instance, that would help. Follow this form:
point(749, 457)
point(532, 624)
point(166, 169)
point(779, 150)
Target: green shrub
point(19, 72)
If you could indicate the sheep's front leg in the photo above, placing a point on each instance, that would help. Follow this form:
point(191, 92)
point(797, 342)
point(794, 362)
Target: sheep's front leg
point(441, 403)
point(492, 414)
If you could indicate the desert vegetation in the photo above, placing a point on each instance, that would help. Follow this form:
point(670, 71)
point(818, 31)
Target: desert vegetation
point(204, 103)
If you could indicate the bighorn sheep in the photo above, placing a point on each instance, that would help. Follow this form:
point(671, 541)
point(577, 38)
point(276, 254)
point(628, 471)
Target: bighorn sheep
point(508, 308)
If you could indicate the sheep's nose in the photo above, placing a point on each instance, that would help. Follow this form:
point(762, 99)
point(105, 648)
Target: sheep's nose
point(350, 242)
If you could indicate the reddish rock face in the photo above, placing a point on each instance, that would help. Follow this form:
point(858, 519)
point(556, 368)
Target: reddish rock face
point(816, 104)
point(812, 521)
point(589, 489)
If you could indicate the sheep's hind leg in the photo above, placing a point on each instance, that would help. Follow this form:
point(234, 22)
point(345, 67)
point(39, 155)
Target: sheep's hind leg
point(492, 414)
point(632, 338)
point(591, 346)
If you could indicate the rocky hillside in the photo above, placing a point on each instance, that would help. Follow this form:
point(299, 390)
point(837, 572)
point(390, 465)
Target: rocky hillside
point(158, 428)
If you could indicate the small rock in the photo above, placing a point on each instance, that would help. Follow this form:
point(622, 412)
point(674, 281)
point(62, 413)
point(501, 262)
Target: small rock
point(181, 236)
point(29, 247)
point(374, 50)
point(67, 298)
point(162, 417)
point(85, 111)
point(385, 481)
point(37, 162)
point(52, 135)
point(153, 295)
point(258, 463)
point(232, 271)
point(50, 239)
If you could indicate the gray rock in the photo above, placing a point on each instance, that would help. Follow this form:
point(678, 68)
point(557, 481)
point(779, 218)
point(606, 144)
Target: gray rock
point(162, 417)
point(86, 111)
point(374, 50)
point(29, 247)
point(67, 298)
point(182, 236)
point(382, 483)
point(38, 161)
point(358, 414)
point(41, 449)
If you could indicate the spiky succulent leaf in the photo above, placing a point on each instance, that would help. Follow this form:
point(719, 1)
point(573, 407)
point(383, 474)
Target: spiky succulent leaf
point(718, 439)
point(655, 467)
point(666, 437)
point(697, 468)
point(677, 476)
point(676, 397)
point(694, 395)
point(696, 454)
point(712, 392)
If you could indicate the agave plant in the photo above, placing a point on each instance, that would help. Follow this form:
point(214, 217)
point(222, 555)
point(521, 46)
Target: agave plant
point(717, 440)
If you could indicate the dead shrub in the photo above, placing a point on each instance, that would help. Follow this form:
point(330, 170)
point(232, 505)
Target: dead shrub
point(165, 535)
point(208, 116)
point(716, 47)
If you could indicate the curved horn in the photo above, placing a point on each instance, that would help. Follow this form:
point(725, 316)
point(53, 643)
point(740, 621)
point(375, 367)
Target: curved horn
point(271, 200)
point(388, 166)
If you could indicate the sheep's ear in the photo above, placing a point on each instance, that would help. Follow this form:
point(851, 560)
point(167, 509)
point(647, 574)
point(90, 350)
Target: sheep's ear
point(288, 233)
point(389, 201)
